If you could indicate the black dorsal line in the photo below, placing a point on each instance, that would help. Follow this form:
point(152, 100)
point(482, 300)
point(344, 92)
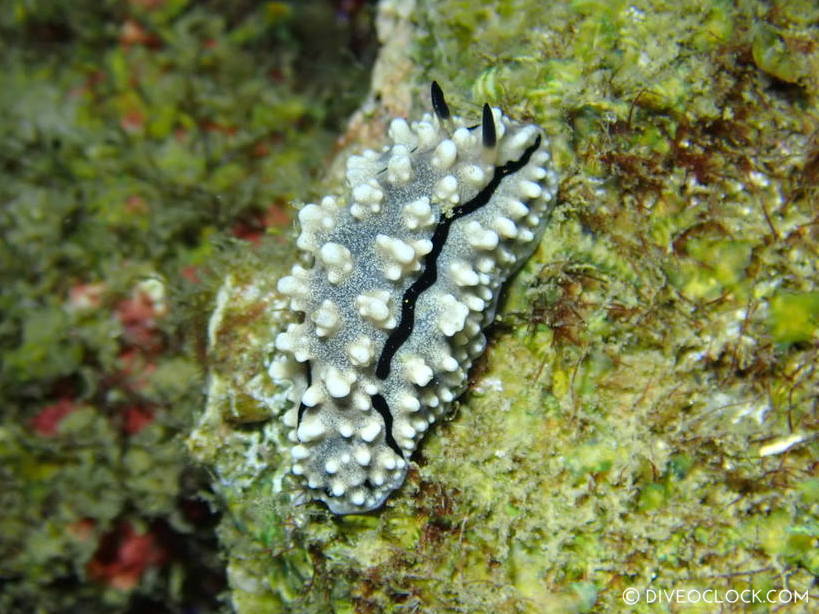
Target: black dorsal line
point(430, 274)
point(302, 406)
point(380, 404)
point(302, 409)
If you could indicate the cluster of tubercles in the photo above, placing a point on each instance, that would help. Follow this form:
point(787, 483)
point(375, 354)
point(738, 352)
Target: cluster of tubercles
point(405, 272)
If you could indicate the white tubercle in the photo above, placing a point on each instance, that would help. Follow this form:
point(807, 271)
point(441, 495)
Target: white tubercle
point(375, 306)
point(338, 261)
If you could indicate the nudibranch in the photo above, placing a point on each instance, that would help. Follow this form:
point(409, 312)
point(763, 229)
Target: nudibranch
point(400, 276)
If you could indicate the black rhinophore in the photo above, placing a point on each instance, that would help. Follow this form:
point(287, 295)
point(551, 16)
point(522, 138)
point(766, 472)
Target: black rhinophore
point(438, 101)
point(489, 135)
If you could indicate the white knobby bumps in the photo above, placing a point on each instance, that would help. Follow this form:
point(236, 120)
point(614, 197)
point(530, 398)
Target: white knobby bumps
point(405, 273)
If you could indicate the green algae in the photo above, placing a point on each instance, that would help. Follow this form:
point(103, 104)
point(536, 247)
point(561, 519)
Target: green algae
point(643, 416)
point(143, 143)
point(794, 317)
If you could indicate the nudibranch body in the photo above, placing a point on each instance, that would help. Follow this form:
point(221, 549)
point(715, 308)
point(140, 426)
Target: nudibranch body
point(401, 275)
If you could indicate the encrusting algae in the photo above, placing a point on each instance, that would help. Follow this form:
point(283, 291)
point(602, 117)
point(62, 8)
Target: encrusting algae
point(644, 416)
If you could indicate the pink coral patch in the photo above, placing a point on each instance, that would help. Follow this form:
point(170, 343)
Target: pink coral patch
point(123, 556)
point(138, 316)
point(47, 422)
point(136, 418)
